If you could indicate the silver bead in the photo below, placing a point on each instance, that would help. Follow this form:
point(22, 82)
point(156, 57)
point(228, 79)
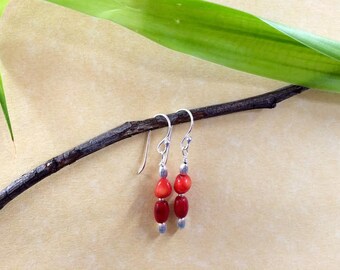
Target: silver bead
point(163, 171)
point(183, 169)
point(181, 223)
point(162, 227)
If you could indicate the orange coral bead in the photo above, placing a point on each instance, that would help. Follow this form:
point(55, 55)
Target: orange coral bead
point(163, 188)
point(182, 183)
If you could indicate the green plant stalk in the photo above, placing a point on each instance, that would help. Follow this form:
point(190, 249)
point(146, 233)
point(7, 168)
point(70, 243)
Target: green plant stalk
point(5, 109)
point(3, 4)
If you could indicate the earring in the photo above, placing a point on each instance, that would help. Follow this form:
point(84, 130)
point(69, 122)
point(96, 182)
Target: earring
point(163, 188)
point(183, 181)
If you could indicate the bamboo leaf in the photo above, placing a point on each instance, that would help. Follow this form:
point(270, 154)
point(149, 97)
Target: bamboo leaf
point(221, 35)
point(226, 36)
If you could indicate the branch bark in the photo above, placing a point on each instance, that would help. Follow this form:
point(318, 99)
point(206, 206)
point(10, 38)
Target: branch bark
point(265, 101)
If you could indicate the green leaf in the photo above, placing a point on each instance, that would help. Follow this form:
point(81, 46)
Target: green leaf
point(3, 4)
point(4, 108)
point(226, 36)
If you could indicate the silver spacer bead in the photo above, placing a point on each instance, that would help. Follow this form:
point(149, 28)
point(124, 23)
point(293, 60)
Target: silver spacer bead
point(183, 169)
point(162, 227)
point(163, 171)
point(181, 223)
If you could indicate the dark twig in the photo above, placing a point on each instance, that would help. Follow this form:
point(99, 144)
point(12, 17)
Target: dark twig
point(23, 183)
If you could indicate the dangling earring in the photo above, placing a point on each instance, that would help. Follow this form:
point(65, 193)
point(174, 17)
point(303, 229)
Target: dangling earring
point(183, 182)
point(163, 188)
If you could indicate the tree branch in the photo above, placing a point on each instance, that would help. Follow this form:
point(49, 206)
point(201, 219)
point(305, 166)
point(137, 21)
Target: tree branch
point(129, 129)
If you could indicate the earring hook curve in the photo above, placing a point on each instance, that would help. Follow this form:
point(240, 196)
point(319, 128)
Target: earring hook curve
point(187, 138)
point(165, 142)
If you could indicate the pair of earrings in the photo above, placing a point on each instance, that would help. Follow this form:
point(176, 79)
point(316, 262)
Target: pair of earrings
point(182, 182)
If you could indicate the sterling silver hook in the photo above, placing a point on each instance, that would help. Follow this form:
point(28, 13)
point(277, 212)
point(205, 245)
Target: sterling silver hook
point(162, 148)
point(185, 143)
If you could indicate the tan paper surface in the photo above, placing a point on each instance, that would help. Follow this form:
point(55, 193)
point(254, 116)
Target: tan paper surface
point(265, 191)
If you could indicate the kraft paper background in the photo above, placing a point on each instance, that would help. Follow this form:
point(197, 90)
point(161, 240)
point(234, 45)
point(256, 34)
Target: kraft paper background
point(265, 191)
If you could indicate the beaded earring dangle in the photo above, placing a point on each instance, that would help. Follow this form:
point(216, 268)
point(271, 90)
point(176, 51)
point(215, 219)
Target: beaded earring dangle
point(163, 188)
point(183, 181)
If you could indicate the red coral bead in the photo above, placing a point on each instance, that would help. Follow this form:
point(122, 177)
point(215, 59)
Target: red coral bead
point(161, 211)
point(181, 206)
point(182, 183)
point(163, 188)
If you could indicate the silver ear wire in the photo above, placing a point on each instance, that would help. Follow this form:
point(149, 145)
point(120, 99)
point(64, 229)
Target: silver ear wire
point(165, 143)
point(185, 143)
point(147, 145)
point(162, 148)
